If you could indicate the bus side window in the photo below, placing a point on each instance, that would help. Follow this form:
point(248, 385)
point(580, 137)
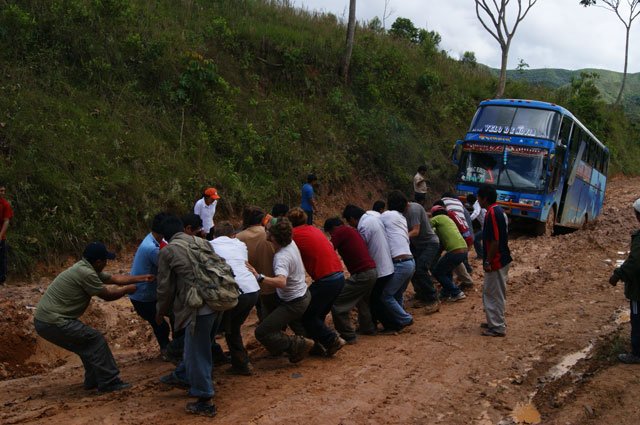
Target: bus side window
point(565, 131)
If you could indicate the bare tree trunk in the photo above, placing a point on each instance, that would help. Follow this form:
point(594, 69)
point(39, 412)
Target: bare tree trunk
point(502, 81)
point(351, 32)
point(626, 63)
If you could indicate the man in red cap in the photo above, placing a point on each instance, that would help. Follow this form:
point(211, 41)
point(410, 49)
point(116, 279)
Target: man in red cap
point(205, 207)
point(67, 298)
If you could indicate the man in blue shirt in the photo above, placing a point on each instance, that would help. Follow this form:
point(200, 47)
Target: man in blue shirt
point(144, 299)
point(308, 203)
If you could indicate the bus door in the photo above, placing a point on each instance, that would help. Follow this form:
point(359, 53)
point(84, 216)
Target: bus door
point(573, 186)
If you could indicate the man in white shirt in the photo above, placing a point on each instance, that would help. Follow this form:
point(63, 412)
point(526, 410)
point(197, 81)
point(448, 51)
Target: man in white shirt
point(395, 226)
point(291, 287)
point(420, 185)
point(235, 253)
point(205, 207)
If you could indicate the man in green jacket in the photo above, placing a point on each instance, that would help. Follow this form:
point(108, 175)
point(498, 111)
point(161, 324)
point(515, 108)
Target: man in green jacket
point(629, 273)
point(66, 299)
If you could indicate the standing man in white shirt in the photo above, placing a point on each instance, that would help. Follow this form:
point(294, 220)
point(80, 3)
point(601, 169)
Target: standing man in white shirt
point(420, 185)
point(205, 207)
point(235, 253)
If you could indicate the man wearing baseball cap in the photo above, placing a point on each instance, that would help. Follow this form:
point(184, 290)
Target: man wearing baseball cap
point(629, 273)
point(67, 298)
point(205, 207)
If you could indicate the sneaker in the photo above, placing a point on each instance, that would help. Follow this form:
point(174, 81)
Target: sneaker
point(335, 346)
point(246, 370)
point(173, 381)
point(318, 350)
point(629, 358)
point(116, 385)
point(202, 408)
point(491, 332)
point(458, 297)
point(300, 349)
point(432, 307)
point(465, 286)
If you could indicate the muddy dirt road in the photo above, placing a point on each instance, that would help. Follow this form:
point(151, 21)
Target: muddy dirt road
point(438, 371)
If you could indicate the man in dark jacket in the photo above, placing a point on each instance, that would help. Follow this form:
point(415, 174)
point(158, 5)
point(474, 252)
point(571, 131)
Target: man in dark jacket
point(629, 273)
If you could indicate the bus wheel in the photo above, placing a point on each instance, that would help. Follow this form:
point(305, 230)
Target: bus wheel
point(550, 224)
point(547, 228)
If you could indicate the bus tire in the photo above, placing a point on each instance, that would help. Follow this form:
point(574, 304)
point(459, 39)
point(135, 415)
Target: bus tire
point(547, 228)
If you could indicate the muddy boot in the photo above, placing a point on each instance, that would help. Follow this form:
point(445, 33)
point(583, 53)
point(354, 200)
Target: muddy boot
point(628, 358)
point(300, 348)
point(432, 307)
point(335, 346)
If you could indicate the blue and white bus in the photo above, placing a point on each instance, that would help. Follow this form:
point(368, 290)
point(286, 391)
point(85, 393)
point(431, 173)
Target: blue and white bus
point(545, 164)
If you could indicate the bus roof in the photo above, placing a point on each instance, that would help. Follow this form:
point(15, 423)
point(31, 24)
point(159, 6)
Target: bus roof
point(538, 104)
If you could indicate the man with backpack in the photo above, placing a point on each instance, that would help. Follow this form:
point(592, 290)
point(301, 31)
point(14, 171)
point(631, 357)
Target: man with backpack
point(195, 284)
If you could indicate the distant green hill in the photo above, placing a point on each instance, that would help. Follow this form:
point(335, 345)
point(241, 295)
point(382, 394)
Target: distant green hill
point(608, 83)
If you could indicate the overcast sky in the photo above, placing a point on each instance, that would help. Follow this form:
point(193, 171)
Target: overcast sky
point(555, 33)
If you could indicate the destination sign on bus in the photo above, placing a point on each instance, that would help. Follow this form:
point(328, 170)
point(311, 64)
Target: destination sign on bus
point(505, 129)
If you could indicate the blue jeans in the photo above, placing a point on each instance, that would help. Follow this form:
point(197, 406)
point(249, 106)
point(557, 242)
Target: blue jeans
point(196, 366)
point(392, 294)
point(443, 271)
point(477, 243)
point(323, 294)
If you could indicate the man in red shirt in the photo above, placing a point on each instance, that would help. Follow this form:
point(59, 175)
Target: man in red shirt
point(323, 265)
point(357, 289)
point(6, 214)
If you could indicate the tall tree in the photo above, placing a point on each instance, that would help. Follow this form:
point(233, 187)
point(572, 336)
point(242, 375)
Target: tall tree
point(492, 14)
point(627, 19)
point(351, 34)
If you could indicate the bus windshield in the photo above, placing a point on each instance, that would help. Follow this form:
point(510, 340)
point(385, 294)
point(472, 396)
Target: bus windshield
point(516, 121)
point(505, 166)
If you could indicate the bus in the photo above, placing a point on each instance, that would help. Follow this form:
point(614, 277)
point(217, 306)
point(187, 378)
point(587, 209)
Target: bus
point(546, 166)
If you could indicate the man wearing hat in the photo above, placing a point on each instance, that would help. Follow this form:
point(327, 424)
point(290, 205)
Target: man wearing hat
point(205, 207)
point(67, 298)
point(308, 203)
point(629, 273)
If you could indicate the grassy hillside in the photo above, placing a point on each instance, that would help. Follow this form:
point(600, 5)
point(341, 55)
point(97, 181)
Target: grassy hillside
point(111, 110)
point(608, 83)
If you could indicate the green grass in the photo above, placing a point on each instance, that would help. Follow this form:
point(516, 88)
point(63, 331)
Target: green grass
point(112, 110)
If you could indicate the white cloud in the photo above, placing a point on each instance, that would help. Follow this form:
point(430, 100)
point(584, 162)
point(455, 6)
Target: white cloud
point(555, 34)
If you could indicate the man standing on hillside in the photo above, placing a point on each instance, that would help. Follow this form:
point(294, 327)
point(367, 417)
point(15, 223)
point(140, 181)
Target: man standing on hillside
point(67, 298)
point(308, 203)
point(205, 207)
point(6, 214)
point(420, 185)
point(495, 262)
point(629, 273)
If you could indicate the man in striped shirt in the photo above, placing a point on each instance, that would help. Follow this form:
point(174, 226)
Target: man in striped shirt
point(496, 261)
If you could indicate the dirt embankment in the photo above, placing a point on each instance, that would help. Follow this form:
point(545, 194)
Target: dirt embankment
point(440, 370)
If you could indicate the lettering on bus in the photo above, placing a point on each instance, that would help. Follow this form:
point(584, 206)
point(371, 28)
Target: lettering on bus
point(525, 151)
point(505, 129)
point(483, 147)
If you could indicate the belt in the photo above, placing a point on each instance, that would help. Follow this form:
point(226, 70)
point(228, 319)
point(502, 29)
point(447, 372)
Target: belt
point(402, 260)
point(332, 276)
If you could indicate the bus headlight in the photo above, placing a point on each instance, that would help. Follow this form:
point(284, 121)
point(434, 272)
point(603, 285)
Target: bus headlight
point(530, 202)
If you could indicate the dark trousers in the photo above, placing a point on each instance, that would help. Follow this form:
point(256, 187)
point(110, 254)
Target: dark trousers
point(267, 303)
point(309, 216)
point(270, 331)
point(635, 328)
point(147, 310)
point(426, 258)
point(3, 260)
point(323, 294)
point(100, 368)
point(232, 321)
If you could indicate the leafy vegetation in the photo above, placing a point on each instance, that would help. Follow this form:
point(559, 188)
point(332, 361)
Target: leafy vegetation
point(111, 110)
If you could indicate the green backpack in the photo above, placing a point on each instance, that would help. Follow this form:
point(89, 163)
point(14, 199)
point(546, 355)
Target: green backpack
point(214, 283)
